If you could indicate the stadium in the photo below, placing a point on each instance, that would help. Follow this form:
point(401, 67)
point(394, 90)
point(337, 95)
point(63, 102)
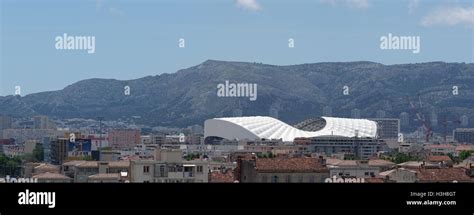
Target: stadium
point(264, 127)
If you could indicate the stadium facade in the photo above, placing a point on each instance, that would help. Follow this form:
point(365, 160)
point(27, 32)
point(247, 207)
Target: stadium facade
point(264, 127)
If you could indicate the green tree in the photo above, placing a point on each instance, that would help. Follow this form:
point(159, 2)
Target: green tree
point(401, 158)
point(465, 154)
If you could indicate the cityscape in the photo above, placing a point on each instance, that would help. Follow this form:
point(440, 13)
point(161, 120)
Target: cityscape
point(236, 149)
point(337, 104)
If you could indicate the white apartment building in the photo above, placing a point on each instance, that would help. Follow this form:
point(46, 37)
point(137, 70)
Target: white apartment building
point(169, 167)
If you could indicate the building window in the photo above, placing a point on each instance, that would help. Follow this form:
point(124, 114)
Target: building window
point(288, 179)
point(300, 179)
point(199, 168)
point(311, 179)
point(264, 179)
point(171, 169)
point(146, 169)
point(274, 179)
point(366, 173)
point(162, 171)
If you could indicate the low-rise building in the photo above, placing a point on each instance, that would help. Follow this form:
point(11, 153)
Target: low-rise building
point(441, 149)
point(440, 160)
point(124, 138)
point(399, 175)
point(281, 170)
point(169, 167)
point(357, 168)
point(13, 150)
point(31, 169)
point(360, 148)
point(443, 175)
point(81, 170)
point(464, 135)
point(221, 176)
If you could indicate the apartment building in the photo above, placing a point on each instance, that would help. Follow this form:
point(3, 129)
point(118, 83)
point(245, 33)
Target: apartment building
point(169, 167)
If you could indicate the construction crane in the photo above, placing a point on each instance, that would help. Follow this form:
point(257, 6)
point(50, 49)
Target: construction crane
point(428, 131)
point(445, 126)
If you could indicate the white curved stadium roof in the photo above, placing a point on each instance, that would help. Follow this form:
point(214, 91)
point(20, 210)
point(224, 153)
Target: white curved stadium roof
point(259, 127)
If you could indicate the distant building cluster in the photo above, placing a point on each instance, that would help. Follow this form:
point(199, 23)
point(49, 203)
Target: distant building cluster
point(258, 149)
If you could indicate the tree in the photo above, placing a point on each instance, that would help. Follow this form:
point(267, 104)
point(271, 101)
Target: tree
point(465, 154)
point(38, 152)
point(451, 156)
point(402, 158)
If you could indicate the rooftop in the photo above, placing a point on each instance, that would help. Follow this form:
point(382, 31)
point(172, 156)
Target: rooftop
point(289, 165)
point(443, 175)
point(49, 175)
point(441, 146)
point(105, 176)
point(438, 158)
point(226, 176)
point(374, 162)
point(45, 166)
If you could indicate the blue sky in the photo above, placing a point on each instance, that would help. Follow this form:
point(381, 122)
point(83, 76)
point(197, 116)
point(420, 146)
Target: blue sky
point(136, 38)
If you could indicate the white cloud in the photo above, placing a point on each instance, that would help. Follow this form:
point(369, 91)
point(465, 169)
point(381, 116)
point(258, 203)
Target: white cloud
point(359, 4)
point(248, 4)
point(413, 5)
point(449, 16)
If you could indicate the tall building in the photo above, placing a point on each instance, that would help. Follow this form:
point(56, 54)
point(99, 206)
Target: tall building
point(5, 123)
point(58, 149)
point(387, 128)
point(464, 135)
point(41, 122)
point(124, 138)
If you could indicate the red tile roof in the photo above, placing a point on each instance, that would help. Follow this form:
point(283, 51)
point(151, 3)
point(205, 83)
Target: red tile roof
point(438, 158)
point(303, 164)
point(441, 146)
point(374, 180)
point(443, 175)
point(221, 177)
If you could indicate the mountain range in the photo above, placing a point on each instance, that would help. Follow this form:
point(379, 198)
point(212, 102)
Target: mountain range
point(293, 93)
